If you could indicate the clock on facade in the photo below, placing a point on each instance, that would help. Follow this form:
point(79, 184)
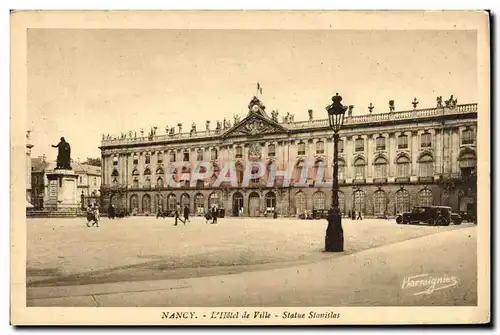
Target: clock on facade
point(255, 108)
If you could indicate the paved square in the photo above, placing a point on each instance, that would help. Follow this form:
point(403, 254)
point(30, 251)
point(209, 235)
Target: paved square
point(66, 252)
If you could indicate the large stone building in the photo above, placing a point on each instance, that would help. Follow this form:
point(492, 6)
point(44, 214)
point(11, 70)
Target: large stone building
point(389, 162)
point(88, 182)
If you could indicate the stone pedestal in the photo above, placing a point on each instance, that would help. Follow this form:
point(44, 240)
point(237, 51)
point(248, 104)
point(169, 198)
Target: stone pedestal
point(62, 191)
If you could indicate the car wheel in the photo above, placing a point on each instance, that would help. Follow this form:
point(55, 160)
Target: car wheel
point(399, 220)
point(458, 222)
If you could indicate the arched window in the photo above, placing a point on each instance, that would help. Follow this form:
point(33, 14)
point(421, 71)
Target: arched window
point(271, 200)
point(359, 168)
point(199, 203)
point(300, 202)
point(402, 200)
point(426, 166)
point(159, 182)
point(359, 201)
point(379, 202)
point(158, 203)
point(403, 166)
point(134, 202)
point(215, 198)
point(239, 152)
point(320, 147)
point(185, 200)
point(467, 136)
point(146, 203)
point(301, 150)
point(213, 154)
point(425, 198)
point(319, 200)
point(271, 150)
point(171, 202)
point(380, 167)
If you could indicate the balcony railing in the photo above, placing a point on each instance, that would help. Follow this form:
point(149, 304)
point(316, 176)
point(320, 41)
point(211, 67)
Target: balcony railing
point(359, 119)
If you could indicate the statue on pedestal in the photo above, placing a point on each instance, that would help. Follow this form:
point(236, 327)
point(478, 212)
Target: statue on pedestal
point(439, 102)
point(64, 155)
point(274, 115)
point(310, 114)
point(391, 106)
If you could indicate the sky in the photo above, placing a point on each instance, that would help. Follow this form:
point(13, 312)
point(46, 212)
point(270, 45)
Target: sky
point(82, 83)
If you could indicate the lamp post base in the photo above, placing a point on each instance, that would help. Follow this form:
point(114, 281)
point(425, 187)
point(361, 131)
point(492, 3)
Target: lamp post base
point(334, 239)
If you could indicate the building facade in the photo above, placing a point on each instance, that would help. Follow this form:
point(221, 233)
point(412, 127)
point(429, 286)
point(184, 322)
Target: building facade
point(88, 182)
point(388, 162)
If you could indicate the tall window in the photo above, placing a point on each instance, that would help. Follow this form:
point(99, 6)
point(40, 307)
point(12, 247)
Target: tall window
point(135, 182)
point(426, 166)
point(467, 136)
point(148, 159)
point(425, 198)
point(239, 152)
point(213, 154)
point(271, 150)
point(319, 200)
point(403, 142)
point(300, 202)
point(380, 143)
point(403, 167)
point(320, 147)
point(185, 157)
point(147, 182)
point(199, 155)
point(159, 182)
point(359, 144)
point(359, 168)
point(425, 140)
point(301, 148)
point(467, 163)
point(380, 167)
point(341, 167)
point(136, 159)
point(271, 200)
point(172, 156)
point(341, 146)
point(379, 202)
point(160, 157)
point(402, 201)
point(115, 161)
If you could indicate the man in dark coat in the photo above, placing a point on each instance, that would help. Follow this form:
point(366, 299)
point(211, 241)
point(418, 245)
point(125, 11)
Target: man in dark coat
point(186, 214)
point(214, 214)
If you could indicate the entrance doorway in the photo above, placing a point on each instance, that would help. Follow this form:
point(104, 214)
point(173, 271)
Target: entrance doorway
point(237, 203)
point(254, 204)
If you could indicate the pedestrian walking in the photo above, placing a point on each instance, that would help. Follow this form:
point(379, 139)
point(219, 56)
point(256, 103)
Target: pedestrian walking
point(178, 215)
point(208, 216)
point(160, 213)
point(90, 215)
point(214, 215)
point(111, 211)
point(186, 214)
point(96, 215)
point(359, 216)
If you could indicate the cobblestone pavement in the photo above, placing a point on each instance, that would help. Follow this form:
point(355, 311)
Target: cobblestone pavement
point(66, 252)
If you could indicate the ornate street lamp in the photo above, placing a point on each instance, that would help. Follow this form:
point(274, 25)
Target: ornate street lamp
point(334, 239)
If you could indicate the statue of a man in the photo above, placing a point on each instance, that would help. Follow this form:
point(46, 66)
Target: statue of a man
point(64, 155)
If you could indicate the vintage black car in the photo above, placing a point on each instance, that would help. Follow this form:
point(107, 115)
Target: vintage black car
point(431, 215)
